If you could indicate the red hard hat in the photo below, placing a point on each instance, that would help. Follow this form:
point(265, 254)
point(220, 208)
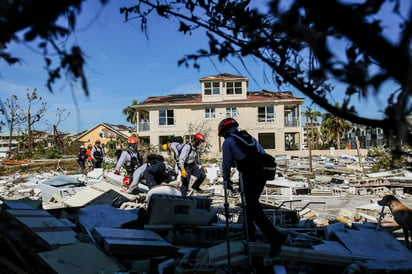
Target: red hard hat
point(97, 142)
point(132, 140)
point(200, 137)
point(225, 124)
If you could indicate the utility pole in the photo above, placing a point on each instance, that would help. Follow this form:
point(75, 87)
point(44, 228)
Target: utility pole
point(359, 155)
point(310, 154)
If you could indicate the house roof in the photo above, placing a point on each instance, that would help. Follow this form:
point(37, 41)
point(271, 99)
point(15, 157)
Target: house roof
point(118, 129)
point(222, 76)
point(252, 96)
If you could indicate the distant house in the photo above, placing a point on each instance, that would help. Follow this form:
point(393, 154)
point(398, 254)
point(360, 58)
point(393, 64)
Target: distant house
point(39, 137)
point(111, 136)
point(367, 136)
point(272, 117)
point(5, 137)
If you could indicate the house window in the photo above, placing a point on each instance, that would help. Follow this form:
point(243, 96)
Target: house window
point(267, 140)
point(231, 112)
point(210, 113)
point(212, 88)
point(166, 117)
point(101, 135)
point(266, 114)
point(233, 88)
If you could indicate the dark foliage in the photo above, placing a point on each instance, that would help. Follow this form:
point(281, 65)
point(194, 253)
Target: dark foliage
point(298, 39)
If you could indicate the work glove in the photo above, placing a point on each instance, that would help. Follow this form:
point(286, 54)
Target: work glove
point(204, 169)
point(183, 172)
point(116, 172)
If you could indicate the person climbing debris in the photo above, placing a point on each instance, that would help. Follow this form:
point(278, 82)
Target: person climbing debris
point(189, 162)
point(130, 159)
point(252, 180)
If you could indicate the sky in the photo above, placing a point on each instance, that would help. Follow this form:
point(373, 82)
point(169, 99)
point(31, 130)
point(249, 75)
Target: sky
point(122, 64)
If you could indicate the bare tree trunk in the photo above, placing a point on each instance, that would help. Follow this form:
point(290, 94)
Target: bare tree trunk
point(29, 135)
point(338, 141)
point(11, 132)
point(308, 140)
point(55, 137)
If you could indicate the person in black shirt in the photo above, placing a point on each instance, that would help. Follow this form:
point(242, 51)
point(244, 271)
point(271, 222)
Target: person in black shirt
point(81, 158)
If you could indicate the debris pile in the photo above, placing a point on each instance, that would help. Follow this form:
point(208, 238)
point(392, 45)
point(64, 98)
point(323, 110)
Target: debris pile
point(58, 223)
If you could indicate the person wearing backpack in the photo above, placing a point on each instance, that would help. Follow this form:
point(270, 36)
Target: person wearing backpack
point(154, 172)
point(130, 159)
point(175, 147)
point(189, 163)
point(242, 149)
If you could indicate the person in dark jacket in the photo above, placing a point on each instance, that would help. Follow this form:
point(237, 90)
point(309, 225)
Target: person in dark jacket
point(82, 158)
point(253, 184)
point(155, 172)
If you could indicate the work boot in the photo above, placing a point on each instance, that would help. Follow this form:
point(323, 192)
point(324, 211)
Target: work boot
point(198, 189)
point(276, 246)
point(183, 189)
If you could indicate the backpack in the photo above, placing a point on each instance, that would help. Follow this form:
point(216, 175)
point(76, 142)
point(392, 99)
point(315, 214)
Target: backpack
point(135, 161)
point(179, 140)
point(248, 146)
point(181, 148)
point(98, 154)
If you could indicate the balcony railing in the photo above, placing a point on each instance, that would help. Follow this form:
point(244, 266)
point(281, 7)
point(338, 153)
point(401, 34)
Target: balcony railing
point(292, 122)
point(144, 126)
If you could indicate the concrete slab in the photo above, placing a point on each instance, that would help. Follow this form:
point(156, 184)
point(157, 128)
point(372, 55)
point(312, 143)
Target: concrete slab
point(380, 244)
point(175, 210)
point(44, 225)
point(145, 243)
point(105, 215)
point(82, 198)
point(79, 258)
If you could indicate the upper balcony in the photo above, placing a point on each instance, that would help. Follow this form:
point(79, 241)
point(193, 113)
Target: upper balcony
point(291, 116)
point(292, 122)
point(144, 126)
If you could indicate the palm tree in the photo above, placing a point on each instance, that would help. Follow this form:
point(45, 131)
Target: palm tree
point(333, 127)
point(311, 116)
point(131, 112)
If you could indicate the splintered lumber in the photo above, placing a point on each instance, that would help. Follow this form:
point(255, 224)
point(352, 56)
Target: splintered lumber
point(15, 162)
point(117, 241)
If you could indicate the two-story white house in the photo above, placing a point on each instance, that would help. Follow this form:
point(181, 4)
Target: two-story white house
point(274, 118)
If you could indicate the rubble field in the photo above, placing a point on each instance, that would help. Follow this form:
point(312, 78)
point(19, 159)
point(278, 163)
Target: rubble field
point(54, 220)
